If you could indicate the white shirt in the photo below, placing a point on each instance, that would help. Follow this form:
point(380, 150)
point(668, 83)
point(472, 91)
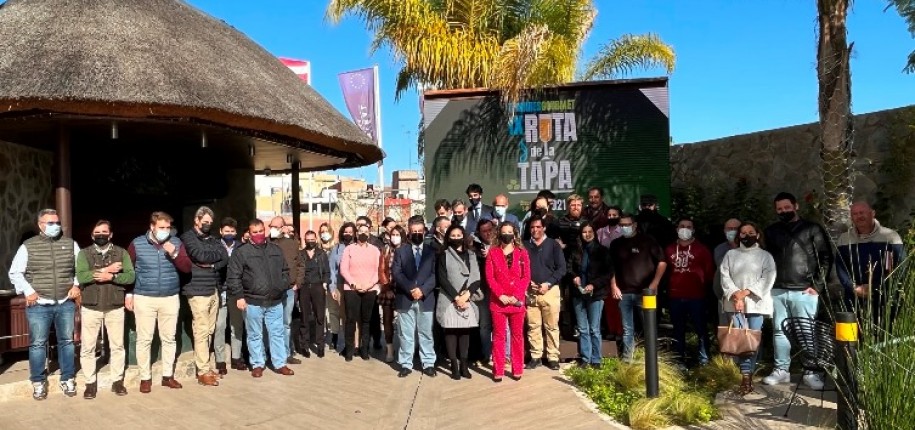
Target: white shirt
point(17, 275)
point(748, 269)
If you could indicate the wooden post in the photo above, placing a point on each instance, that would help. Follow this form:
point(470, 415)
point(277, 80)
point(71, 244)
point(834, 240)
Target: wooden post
point(296, 200)
point(62, 187)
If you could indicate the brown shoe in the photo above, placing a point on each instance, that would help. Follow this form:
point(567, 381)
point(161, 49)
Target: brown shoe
point(146, 386)
point(170, 382)
point(91, 391)
point(215, 375)
point(239, 364)
point(208, 379)
point(285, 371)
point(293, 360)
point(221, 368)
point(257, 372)
point(118, 387)
point(746, 386)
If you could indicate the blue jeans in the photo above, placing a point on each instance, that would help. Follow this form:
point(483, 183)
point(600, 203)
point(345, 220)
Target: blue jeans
point(754, 322)
point(288, 305)
point(256, 317)
point(630, 304)
point(40, 319)
point(588, 314)
point(786, 304)
point(692, 310)
point(411, 324)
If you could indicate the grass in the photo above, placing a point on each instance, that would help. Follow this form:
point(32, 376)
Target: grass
point(618, 389)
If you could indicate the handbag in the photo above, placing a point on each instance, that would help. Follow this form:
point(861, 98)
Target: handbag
point(738, 341)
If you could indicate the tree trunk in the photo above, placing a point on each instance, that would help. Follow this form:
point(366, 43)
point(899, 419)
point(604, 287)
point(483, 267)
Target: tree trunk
point(836, 122)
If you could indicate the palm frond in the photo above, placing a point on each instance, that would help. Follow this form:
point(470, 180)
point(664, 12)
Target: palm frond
point(517, 59)
point(630, 52)
point(906, 9)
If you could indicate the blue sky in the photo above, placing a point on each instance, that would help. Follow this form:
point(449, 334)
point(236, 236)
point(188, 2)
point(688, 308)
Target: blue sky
point(742, 66)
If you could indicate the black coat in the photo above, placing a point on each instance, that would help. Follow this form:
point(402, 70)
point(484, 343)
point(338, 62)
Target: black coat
point(802, 252)
point(600, 270)
point(208, 257)
point(323, 266)
point(258, 273)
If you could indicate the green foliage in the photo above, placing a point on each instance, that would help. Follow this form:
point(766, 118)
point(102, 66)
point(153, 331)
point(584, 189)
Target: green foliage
point(906, 9)
point(896, 170)
point(712, 201)
point(886, 353)
point(719, 375)
point(618, 389)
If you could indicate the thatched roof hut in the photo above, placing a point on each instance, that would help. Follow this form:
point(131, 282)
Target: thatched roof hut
point(162, 61)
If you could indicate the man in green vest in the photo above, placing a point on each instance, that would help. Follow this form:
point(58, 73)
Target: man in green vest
point(103, 271)
point(44, 271)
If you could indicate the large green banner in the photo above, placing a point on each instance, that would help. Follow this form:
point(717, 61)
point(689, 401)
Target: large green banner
point(614, 135)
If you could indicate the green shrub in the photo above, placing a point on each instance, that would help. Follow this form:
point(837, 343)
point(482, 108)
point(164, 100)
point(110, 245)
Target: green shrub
point(719, 375)
point(618, 389)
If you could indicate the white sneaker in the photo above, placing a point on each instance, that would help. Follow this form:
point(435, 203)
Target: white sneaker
point(813, 381)
point(40, 390)
point(778, 376)
point(68, 387)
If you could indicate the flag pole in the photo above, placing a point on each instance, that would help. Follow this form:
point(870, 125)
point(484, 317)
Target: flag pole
point(378, 139)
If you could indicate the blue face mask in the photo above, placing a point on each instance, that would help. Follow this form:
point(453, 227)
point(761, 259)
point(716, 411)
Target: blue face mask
point(627, 231)
point(499, 211)
point(163, 235)
point(52, 230)
point(228, 238)
point(730, 235)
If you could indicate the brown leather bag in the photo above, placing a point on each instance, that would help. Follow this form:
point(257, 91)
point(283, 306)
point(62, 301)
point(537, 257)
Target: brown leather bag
point(738, 341)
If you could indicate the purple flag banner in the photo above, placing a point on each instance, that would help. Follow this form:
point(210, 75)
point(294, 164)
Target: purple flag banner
point(359, 93)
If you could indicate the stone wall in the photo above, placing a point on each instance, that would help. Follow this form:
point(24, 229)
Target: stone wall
point(25, 188)
point(788, 159)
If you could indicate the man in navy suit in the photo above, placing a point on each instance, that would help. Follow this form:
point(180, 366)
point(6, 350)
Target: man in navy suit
point(500, 213)
point(476, 210)
point(414, 275)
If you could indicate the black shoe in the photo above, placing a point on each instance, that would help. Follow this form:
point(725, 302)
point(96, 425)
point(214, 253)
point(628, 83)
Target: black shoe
point(91, 391)
point(465, 372)
point(306, 352)
point(430, 372)
point(533, 364)
point(366, 356)
point(320, 352)
point(455, 370)
point(377, 343)
point(595, 365)
point(553, 365)
point(404, 372)
point(333, 340)
point(348, 357)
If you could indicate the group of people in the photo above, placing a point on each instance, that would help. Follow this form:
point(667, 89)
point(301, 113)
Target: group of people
point(476, 285)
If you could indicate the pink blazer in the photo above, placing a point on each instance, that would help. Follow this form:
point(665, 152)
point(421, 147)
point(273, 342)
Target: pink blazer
point(504, 281)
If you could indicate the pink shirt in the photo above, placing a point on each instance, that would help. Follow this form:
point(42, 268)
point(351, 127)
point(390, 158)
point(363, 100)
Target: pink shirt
point(359, 265)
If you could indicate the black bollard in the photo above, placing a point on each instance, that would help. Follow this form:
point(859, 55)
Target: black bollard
point(650, 317)
point(846, 362)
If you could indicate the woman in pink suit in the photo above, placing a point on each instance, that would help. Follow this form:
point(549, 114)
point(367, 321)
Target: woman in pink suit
point(508, 274)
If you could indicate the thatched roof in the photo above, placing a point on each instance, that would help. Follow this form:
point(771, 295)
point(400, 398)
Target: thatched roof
point(161, 59)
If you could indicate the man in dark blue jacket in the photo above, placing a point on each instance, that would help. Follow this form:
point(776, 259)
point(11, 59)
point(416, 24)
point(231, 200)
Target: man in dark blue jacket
point(413, 270)
point(868, 253)
point(202, 289)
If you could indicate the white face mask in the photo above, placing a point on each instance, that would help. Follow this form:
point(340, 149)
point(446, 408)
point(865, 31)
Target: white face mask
point(325, 237)
point(730, 235)
point(395, 240)
point(685, 233)
point(500, 211)
point(275, 233)
point(627, 231)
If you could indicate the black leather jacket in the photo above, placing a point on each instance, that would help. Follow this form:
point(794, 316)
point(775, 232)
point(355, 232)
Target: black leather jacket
point(802, 252)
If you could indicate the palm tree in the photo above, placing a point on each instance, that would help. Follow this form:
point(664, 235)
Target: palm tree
point(836, 122)
point(906, 9)
point(508, 45)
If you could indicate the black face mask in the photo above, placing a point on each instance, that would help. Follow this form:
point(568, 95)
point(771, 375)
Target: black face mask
point(101, 239)
point(474, 202)
point(310, 245)
point(749, 241)
point(417, 238)
point(506, 238)
point(347, 238)
point(205, 228)
point(459, 218)
point(613, 222)
point(363, 237)
point(455, 243)
point(228, 238)
point(786, 216)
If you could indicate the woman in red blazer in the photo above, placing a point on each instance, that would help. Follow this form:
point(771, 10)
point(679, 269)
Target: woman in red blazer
point(509, 275)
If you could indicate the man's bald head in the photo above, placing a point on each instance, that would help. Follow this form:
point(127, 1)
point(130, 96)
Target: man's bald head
point(500, 200)
point(277, 222)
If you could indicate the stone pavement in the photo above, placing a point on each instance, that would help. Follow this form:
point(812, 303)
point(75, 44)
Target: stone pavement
point(330, 393)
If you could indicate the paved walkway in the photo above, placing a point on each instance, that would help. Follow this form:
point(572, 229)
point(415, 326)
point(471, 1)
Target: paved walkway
point(325, 393)
point(330, 393)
